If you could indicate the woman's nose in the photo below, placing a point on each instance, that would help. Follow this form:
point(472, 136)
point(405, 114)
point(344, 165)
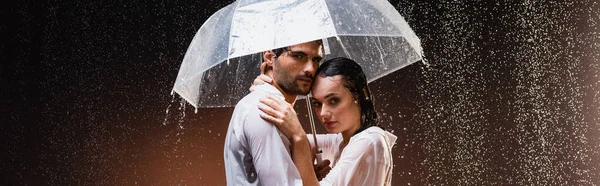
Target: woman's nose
point(325, 113)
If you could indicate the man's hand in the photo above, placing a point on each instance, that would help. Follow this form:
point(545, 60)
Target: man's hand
point(322, 169)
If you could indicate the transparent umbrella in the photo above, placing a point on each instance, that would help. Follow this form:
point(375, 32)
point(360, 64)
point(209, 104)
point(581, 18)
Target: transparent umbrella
point(224, 57)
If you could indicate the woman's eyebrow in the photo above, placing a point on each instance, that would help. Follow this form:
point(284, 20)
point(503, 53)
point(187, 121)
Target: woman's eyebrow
point(329, 95)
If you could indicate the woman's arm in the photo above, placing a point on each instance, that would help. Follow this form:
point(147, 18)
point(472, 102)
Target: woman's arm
point(284, 117)
point(303, 160)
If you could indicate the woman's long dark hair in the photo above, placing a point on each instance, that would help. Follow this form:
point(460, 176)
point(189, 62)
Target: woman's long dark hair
point(355, 81)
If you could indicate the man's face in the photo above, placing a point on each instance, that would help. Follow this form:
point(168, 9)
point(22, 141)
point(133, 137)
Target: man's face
point(295, 68)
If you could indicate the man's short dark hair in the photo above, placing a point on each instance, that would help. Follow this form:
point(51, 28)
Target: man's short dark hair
point(279, 51)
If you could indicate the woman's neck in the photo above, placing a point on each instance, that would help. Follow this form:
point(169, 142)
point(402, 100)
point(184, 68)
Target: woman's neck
point(349, 133)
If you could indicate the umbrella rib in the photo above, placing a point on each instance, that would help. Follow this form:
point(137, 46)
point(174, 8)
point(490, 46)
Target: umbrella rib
point(334, 28)
point(232, 18)
point(330, 17)
point(372, 35)
point(379, 48)
point(389, 71)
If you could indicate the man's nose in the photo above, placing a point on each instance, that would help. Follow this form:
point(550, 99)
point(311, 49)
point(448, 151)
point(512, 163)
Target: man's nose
point(310, 68)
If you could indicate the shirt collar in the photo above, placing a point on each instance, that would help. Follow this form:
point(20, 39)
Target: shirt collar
point(270, 89)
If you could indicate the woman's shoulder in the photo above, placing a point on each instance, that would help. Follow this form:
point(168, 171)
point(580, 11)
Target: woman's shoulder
point(371, 132)
point(375, 136)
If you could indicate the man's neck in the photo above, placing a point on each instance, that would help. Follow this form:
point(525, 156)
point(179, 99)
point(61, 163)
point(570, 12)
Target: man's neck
point(290, 98)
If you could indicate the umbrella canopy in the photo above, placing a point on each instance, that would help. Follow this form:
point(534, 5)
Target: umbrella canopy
point(224, 57)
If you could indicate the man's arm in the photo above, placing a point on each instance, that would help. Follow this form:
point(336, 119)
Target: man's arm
point(270, 154)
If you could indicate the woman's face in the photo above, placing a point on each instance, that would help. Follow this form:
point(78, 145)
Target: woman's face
point(334, 105)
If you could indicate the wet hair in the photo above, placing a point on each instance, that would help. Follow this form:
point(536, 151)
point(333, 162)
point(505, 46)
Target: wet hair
point(355, 81)
point(279, 51)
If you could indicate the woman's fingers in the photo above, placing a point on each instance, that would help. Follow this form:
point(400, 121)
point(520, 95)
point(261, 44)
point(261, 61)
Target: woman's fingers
point(270, 111)
point(264, 79)
point(280, 113)
point(260, 79)
point(271, 119)
point(273, 102)
point(257, 81)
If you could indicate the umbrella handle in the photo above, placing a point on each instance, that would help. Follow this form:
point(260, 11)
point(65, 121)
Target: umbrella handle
point(319, 157)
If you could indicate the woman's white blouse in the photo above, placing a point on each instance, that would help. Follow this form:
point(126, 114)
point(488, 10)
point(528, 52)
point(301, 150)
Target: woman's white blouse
point(366, 159)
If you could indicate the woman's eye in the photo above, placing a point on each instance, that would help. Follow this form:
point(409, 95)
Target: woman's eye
point(333, 101)
point(316, 104)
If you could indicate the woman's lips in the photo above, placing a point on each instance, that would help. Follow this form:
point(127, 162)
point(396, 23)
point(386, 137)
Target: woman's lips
point(329, 123)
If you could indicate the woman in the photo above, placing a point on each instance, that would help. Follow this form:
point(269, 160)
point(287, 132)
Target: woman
point(361, 151)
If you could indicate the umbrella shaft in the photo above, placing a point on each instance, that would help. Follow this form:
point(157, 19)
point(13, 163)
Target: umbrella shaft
point(312, 121)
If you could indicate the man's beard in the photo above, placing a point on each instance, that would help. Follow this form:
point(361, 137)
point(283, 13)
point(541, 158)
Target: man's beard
point(290, 86)
point(289, 83)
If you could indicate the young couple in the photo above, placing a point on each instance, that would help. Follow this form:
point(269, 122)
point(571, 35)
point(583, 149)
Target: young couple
point(266, 144)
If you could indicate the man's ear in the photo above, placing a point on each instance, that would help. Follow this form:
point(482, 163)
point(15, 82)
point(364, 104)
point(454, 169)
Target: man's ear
point(269, 57)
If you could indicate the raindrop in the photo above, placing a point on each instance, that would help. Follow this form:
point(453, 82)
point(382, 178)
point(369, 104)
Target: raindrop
point(167, 110)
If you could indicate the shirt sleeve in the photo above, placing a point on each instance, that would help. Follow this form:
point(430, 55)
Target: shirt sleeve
point(363, 162)
point(271, 157)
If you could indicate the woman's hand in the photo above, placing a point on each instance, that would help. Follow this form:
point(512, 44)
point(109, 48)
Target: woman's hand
point(283, 116)
point(262, 78)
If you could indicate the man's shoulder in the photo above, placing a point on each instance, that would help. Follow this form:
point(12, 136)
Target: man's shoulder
point(251, 100)
point(247, 110)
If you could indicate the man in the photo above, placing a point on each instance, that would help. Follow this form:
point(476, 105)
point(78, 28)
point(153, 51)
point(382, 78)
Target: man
point(256, 153)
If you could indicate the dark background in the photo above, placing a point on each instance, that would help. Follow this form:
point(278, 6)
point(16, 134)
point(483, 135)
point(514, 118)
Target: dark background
point(509, 95)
